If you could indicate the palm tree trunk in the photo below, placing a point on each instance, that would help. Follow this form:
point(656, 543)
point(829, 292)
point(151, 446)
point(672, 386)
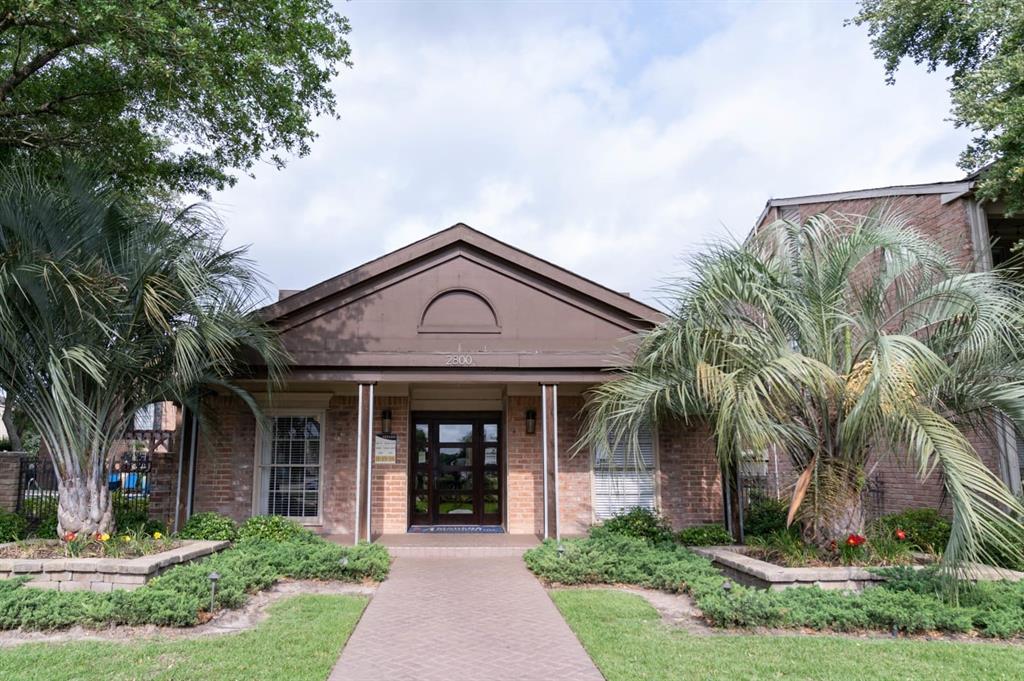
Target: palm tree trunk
point(84, 504)
point(841, 519)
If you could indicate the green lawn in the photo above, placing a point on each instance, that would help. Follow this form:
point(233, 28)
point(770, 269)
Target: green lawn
point(300, 641)
point(627, 640)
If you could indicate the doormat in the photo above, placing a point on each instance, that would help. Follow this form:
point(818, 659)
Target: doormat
point(456, 529)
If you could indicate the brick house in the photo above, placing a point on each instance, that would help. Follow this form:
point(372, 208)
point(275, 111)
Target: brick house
point(441, 385)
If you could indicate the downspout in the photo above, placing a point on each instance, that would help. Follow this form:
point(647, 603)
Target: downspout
point(369, 468)
point(728, 499)
point(739, 495)
point(181, 464)
point(359, 455)
point(554, 410)
point(192, 461)
point(544, 449)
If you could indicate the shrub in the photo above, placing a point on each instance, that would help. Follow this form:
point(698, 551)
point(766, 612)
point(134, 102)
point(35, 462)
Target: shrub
point(784, 548)
point(5, 444)
point(176, 597)
point(925, 528)
point(999, 556)
point(209, 526)
point(12, 527)
point(641, 523)
point(619, 559)
point(132, 515)
point(40, 515)
point(908, 601)
point(714, 534)
point(765, 516)
point(273, 528)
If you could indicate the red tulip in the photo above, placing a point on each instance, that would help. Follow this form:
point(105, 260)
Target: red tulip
point(901, 535)
point(69, 536)
point(855, 540)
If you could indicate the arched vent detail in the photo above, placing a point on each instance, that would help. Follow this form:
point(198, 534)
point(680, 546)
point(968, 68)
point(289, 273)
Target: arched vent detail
point(459, 311)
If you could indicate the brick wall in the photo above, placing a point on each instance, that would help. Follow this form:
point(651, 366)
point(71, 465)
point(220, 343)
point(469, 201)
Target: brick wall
point(224, 458)
point(338, 506)
point(391, 481)
point(690, 488)
point(689, 475)
point(575, 498)
point(523, 480)
point(10, 471)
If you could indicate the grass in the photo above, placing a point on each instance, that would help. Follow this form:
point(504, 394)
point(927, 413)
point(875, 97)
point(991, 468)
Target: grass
point(300, 641)
point(625, 637)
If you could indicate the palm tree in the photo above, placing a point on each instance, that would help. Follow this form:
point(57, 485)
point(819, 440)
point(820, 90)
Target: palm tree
point(107, 305)
point(835, 341)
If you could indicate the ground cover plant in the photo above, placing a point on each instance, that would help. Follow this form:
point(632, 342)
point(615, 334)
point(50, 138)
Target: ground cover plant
point(271, 651)
point(627, 640)
point(182, 595)
point(909, 602)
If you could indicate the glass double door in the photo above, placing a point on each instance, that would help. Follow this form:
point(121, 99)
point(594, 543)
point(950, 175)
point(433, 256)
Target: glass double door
point(455, 476)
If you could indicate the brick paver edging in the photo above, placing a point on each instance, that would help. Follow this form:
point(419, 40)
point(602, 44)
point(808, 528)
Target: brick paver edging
point(754, 572)
point(103, 574)
point(466, 617)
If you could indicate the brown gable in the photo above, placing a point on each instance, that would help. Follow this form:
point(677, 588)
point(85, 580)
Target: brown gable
point(458, 298)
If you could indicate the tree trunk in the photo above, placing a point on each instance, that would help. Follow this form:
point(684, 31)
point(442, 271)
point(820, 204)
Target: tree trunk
point(8, 420)
point(840, 520)
point(84, 506)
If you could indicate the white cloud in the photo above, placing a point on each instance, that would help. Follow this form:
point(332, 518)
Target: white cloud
point(607, 141)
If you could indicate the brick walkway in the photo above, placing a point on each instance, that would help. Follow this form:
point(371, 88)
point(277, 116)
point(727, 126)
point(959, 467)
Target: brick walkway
point(462, 618)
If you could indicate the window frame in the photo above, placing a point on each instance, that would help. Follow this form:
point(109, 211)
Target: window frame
point(655, 472)
point(259, 493)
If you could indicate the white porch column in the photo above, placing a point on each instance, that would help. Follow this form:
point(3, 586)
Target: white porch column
point(364, 473)
point(549, 456)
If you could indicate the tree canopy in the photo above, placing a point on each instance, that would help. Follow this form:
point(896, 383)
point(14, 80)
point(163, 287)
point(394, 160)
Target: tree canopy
point(177, 95)
point(835, 342)
point(106, 306)
point(980, 41)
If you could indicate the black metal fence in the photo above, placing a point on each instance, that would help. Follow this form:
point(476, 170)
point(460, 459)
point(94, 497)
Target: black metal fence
point(754, 487)
point(129, 482)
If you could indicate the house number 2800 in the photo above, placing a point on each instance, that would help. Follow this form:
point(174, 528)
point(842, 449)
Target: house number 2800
point(459, 360)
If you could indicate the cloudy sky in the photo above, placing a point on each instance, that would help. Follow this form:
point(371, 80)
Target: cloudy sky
point(610, 138)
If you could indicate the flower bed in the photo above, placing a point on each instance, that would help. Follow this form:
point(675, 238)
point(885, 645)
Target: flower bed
point(904, 599)
point(181, 596)
point(47, 565)
point(101, 546)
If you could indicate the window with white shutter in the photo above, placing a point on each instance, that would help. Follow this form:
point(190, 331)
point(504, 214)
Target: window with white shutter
point(625, 479)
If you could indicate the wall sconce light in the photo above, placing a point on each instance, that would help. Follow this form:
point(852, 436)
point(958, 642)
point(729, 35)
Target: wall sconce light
point(385, 421)
point(531, 422)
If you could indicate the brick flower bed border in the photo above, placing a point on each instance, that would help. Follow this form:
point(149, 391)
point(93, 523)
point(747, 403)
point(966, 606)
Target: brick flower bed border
point(103, 574)
point(758, 573)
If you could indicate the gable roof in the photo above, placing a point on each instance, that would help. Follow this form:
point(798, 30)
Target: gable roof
point(461, 234)
point(949, 190)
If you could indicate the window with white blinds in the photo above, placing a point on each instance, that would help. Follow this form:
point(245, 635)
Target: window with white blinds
point(290, 466)
point(624, 479)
